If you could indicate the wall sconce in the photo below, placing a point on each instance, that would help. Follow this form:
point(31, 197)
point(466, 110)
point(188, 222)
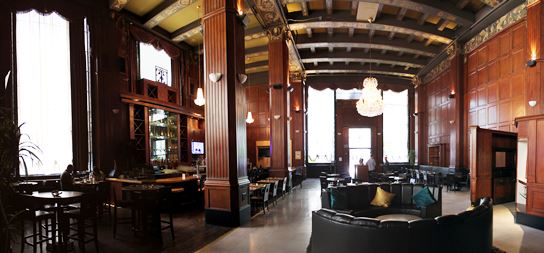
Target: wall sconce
point(532, 103)
point(452, 121)
point(452, 94)
point(297, 108)
point(415, 114)
point(532, 62)
point(277, 116)
point(242, 78)
point(291, 88)
point(249, 118)
point(115, 111)
point(243, 18)
point(215, 77)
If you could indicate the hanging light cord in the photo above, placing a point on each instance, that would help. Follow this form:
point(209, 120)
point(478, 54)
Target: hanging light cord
point(370, 62)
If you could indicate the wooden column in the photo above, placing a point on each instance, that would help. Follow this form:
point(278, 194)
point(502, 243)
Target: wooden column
point(535, 40)
point(456, 117)
point(278, 73)
point(226, 194)
point(297, 123)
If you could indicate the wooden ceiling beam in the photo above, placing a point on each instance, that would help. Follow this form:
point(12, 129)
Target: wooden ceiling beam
point(328, 5)
point(462, 4)
point(354, 78)
point(442, 24)
point(309, 32)
point(441, 9)
point(359, 60)
point(359, 54)
point(387, 24)
point(351, 31)
point(164, 10)
point(330, 31)
point(421, 20)
point(402, 12)
point(342, 70)
point(361, 41)
point(304, 7)
point(354, 7)
point(391, 35)
point(187, 31)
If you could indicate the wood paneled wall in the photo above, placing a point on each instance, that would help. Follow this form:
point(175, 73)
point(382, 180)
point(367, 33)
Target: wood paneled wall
point(492, 82)
point(348, 117)
point(258, 104)
point(297, 126)
point(496, 83)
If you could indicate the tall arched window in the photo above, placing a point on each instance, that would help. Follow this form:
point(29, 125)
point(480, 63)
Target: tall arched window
point(320, 125)
point(44, 88)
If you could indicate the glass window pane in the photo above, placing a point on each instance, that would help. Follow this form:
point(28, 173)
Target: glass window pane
point(155, 64)
point(395, 126)
point(320, 125)
point(359, 138)
point(43, 76)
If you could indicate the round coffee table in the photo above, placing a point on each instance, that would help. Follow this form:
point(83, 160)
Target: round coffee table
point(398, 217)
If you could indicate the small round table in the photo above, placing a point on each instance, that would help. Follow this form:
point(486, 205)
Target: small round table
point(398, 217)
point(59, 202)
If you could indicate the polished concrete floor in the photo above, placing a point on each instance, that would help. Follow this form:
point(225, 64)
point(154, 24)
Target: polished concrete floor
point(287, 228)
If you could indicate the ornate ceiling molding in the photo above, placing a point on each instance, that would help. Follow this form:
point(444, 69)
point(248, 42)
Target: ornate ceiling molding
point(502, 23)
point(268, 12)
point(492, 3)
point(434, 73)
point(166, 11)
point(118, 4)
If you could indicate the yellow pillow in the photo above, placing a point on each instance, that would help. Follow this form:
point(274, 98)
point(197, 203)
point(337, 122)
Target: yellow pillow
point(382, 198)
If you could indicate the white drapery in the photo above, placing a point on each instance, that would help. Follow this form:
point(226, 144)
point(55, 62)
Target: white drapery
point(395, 125)
point(321, 125)
point(44, 88)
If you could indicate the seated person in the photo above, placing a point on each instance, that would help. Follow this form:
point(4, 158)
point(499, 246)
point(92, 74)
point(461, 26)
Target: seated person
point(67, 178)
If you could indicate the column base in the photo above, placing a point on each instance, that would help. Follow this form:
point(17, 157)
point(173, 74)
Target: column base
point(228, 219)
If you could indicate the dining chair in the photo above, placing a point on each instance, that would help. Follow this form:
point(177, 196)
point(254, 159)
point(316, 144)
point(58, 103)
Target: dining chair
point(274, 193)
point(85, 219)
point(284, 189)
point(262, 200)
point(124, 204)
point(39, 219)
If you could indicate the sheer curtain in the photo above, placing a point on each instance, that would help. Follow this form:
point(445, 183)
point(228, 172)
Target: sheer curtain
point(155, 64)
point(395, 126)
point(320, 125)
point(44, 89)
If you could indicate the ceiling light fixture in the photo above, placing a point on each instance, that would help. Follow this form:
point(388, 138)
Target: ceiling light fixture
point(371, 102)
point(200, 101)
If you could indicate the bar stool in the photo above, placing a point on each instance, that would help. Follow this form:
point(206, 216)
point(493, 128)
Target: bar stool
point(38, 219)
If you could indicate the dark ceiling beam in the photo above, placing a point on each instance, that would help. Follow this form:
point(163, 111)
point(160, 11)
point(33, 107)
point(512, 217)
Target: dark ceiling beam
point(354, 78)
point(442, 24)
point(187, 31)
point(402, 12)
point(441, 9)
point(375, 60)
point(164, 10)
point(330, 31)
point(461, 4)
point(257, 64)
point(366, 46)
point(255, 50)
point(118, 5)
point(362, 41)
point(328, 6)
point(351, 31)
point(421, 20)
point(356, 71)
point(354, 6)
point(304, 7)
point(339, 65)
point(309, 32)
point(344, 19)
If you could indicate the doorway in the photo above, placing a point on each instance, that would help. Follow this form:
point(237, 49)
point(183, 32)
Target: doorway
point(359, 145)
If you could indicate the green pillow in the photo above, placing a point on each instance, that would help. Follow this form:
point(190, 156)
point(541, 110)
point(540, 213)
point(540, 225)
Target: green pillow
point(423, 198)
point(339, 199)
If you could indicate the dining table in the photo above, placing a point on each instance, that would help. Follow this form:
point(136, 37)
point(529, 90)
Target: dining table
point(58, 201)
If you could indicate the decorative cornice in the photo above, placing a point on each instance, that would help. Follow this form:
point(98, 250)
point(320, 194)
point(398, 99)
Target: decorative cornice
point(452, 50)
point(502, 23)
point(416, 81)
point(492, 3)
point(531, 2)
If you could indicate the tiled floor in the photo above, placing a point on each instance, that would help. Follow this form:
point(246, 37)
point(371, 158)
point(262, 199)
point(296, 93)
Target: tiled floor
point(287, 228)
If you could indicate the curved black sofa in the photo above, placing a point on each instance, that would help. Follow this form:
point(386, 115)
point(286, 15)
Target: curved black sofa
point(466, 232)
point(355, 199)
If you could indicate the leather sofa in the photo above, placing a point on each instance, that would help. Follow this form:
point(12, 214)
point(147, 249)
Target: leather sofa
point(355, 199)
point(466, 232)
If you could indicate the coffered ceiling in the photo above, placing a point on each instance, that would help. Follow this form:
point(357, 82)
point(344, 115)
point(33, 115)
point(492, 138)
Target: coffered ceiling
point(331, 37)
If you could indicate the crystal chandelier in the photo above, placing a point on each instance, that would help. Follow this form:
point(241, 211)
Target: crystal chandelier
point(371, 102)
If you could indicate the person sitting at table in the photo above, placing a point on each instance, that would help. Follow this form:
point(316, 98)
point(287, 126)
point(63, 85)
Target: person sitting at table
point(67, 178)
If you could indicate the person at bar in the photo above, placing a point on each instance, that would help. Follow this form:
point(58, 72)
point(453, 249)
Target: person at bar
point(67, 178)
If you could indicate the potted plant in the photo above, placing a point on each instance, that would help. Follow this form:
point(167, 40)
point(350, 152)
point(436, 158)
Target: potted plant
point(13, 152)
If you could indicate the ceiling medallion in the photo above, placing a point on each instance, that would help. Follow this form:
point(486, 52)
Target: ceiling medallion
point(371, 102)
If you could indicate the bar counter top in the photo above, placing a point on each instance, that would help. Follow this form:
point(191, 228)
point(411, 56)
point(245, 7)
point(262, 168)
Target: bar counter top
point(169, 180)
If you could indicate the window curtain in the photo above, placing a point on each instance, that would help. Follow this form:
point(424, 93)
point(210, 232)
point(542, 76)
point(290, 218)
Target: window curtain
point(395, 126)
point(321, 125)
point(44, 89)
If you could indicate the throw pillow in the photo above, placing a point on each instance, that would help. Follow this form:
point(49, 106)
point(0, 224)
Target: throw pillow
point(382, 198)
point(423, 198)
point(339, 199)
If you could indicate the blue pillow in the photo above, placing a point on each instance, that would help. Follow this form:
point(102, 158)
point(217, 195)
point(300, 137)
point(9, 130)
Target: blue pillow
point(423, 198)
point(339, 199)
